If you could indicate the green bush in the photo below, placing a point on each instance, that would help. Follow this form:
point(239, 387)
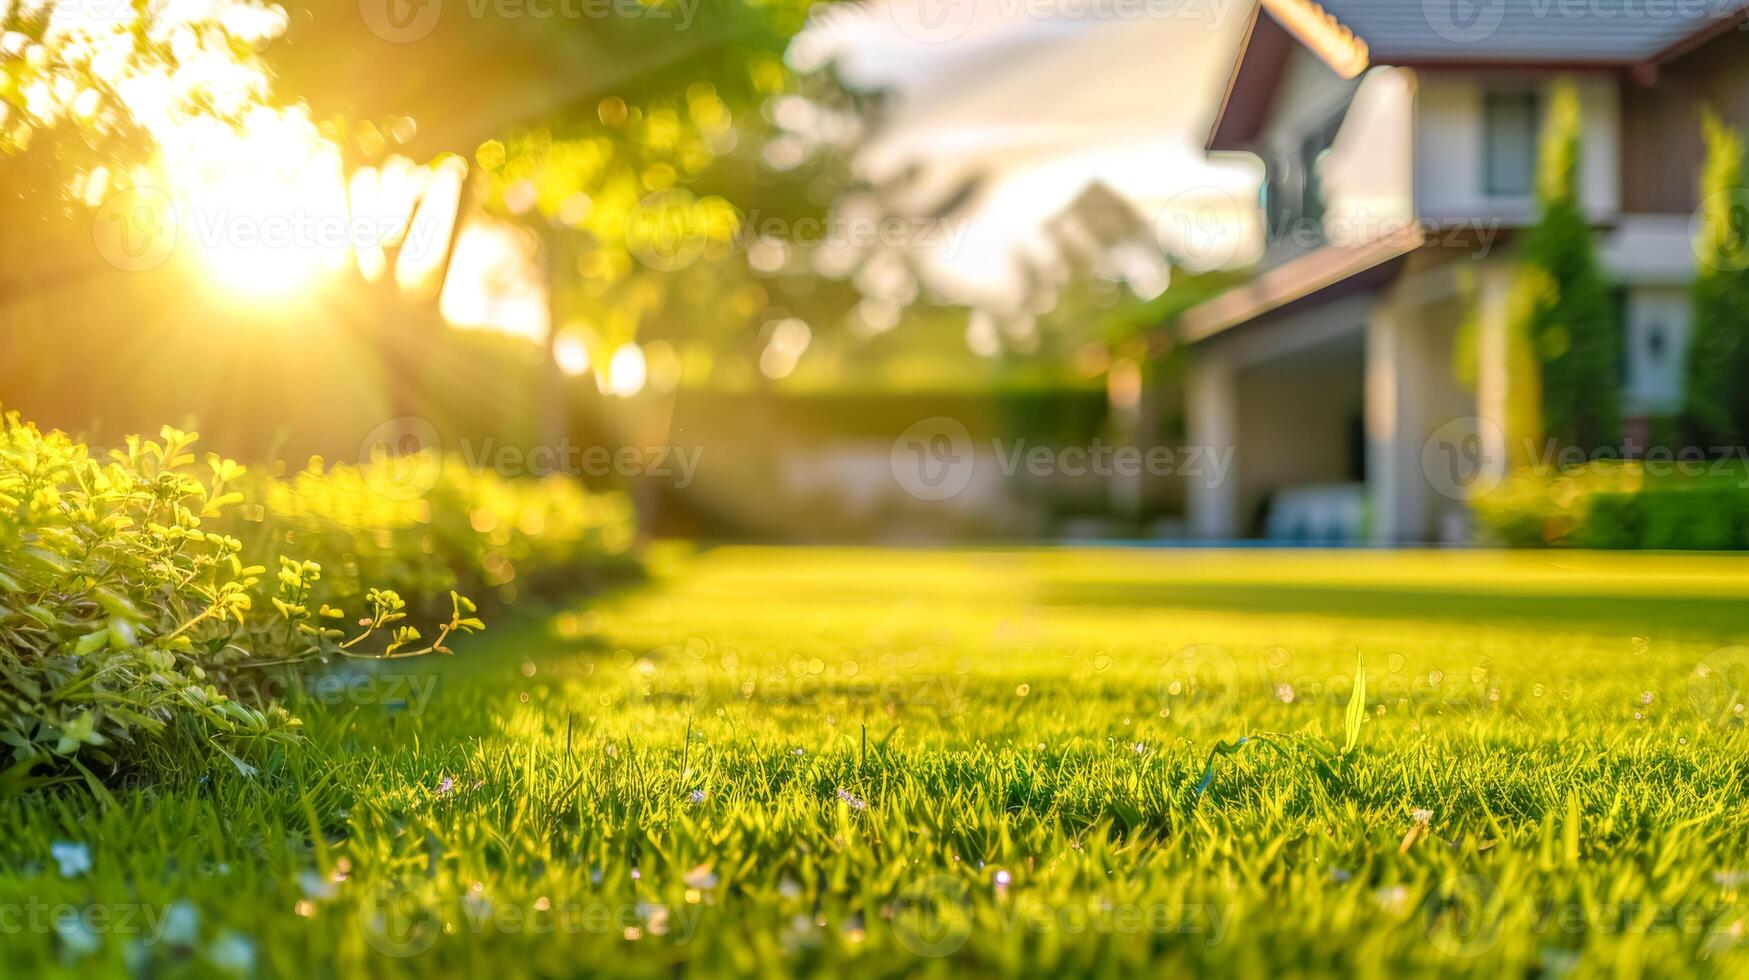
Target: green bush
point(1697, 519)
point(454, 528)
point(128, 617)
point(1617, 505)
point(1570, 317)
point(1614, 520)
point(1716, 408)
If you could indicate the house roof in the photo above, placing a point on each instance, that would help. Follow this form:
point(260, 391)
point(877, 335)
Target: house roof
point(1596, 32)
point(1352, 35)
point(1298, 279)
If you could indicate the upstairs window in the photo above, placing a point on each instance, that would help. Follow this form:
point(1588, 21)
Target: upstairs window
point(1293, 188)
point(1510, 121)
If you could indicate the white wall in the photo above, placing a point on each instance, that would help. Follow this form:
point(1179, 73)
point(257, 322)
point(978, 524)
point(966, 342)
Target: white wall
point(1368, 176)
point(1308, 94)
point(1650, 250)
point(1449, 144)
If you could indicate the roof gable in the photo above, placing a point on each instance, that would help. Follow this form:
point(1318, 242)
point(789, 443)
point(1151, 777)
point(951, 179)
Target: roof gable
point(1351, 35)
point(1585, 32)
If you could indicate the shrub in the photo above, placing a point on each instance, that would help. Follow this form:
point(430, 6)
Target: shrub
point(1616, 505)
point(1615, 520)
point(1571, 320)
point(1716, 406)
point(472, 530)
point(127, 617)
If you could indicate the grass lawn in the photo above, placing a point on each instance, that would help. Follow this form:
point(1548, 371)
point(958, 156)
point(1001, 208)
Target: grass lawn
point(867, 762)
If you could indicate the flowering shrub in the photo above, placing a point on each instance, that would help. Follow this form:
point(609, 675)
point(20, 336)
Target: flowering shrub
point(128, 613)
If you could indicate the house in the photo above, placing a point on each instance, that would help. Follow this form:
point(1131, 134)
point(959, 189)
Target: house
point(1400, 141)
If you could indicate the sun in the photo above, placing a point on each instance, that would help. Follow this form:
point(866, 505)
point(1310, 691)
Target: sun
point(263, 205)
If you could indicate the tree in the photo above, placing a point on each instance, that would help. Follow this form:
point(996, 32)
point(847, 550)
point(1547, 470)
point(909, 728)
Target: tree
point(1569, 315)
point(648, 150)
point(1716, 401)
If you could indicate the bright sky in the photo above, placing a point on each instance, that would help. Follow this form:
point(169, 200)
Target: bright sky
point(1043, 97)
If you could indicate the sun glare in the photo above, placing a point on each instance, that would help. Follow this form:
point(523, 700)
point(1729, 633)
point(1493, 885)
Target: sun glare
point(260, 194)
point(265, 207)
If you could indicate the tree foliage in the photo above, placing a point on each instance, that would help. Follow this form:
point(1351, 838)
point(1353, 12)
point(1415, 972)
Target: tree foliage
point(1568, 313)
point(1716, 400)
point(650, 149)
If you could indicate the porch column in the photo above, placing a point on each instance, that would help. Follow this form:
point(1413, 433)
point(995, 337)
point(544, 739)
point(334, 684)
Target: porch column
point(1212, 421)
point(1494, 369)
point(1395, 426)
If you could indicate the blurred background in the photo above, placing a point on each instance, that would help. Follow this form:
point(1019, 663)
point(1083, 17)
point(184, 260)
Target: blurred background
point(729, 256)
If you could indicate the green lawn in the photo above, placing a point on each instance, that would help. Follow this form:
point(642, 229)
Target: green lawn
point(866, 762)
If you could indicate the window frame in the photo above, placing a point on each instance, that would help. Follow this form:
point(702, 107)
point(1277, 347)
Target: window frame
point(1527, 98)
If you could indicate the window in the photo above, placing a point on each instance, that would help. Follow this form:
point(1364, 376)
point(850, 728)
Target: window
point(1509, 167)
point(1293, 189)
